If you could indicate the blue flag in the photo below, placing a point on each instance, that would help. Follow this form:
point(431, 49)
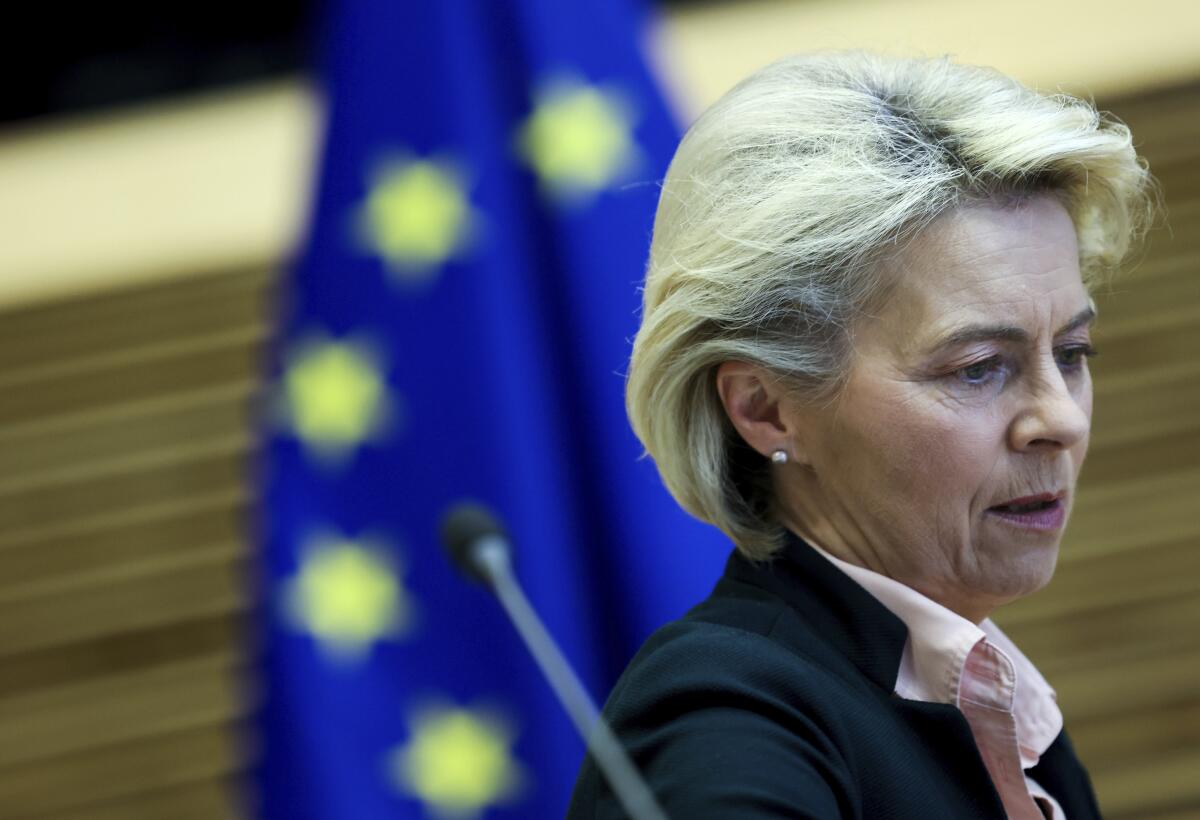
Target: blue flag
point(457, 326)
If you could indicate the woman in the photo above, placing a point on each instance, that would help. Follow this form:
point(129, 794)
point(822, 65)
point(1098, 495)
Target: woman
point(863, 356)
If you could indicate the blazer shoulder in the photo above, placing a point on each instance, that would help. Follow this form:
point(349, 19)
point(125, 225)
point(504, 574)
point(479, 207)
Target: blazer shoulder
point(755, 649)
point(705, 696)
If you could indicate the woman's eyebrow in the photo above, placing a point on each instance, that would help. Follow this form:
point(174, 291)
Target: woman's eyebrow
point(979, 333)
point(1080, 319)
point(1007, 333)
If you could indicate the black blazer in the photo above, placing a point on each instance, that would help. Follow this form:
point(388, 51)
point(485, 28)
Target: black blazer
point(775, 698)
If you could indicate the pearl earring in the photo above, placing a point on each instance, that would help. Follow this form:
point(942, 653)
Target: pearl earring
point(779, 457)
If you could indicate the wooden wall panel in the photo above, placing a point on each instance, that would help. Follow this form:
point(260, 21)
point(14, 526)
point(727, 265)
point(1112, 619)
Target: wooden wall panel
point(126, 424)
point(122, 772)
point(204, 800)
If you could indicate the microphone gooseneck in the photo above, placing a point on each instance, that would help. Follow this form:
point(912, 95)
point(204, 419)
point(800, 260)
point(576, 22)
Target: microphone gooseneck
point(479, 547)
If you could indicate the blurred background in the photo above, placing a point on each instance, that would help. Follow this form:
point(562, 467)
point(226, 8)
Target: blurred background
point(158, 169)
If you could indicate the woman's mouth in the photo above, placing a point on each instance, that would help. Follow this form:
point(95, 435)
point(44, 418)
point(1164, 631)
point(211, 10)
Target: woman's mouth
point(1046, 512)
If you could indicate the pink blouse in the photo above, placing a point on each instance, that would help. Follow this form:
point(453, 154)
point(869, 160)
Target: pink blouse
point(1010, 708)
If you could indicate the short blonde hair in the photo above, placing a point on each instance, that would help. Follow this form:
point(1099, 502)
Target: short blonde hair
point(784, 196)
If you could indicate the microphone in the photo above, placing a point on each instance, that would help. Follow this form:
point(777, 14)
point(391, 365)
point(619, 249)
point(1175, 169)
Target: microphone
point(479, 547)
point(475, 541)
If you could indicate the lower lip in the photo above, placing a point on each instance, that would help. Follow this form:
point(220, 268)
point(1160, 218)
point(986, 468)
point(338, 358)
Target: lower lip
point(1047, 519)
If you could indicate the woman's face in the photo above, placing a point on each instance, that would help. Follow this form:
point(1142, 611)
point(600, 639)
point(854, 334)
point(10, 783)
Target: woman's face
point(968, 389)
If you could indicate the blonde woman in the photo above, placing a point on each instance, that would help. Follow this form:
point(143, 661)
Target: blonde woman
point(864, 356)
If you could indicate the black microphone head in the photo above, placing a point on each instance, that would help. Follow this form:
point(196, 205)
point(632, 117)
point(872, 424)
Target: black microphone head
point(463, 526)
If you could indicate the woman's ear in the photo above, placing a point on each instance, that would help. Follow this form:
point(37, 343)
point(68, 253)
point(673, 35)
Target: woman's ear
point(754, 402)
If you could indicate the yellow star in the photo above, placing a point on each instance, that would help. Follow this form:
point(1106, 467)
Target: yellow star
point(416, 216)
point(458, 762)
point(335, 398)
point(578, 139)
point(347, 596)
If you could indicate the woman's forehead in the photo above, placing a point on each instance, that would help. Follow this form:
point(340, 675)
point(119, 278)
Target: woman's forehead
point(991, 266)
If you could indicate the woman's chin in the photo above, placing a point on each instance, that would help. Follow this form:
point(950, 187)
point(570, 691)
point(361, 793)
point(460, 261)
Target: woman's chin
point(1013, 577)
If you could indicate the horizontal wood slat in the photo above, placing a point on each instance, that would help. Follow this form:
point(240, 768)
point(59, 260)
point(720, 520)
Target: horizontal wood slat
point(1139, 734)
point(82, 526)
point(146, 356)
point(42, 562)
point(118, 653)
point(218, 799)
point(132, 466)
point(225, 361)
point(1160, 287)
point(177, 477)
point(1139, 676)
point(1137, 788)
point(1145, 403)
point(146, 427)
point(31, 596)
point(1151, 346)
point(212, 585)
point(60, 332)
point(119, 708)
point(1083, 586)
point(1171, 450)
point(1150, 510)
point(1106, 635)
point(122, 770)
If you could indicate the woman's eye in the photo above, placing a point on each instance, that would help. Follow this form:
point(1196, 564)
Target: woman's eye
point(978, 373)
point(1073, 356)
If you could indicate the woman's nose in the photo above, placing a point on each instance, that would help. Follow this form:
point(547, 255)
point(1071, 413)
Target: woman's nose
point(1055, 415)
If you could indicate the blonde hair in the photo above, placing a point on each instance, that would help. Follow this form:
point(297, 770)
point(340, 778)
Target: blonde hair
point(779, 203)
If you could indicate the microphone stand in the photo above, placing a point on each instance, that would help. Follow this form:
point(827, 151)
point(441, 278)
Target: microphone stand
point(491, 555)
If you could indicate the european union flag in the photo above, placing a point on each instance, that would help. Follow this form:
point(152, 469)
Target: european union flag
point(457, 326)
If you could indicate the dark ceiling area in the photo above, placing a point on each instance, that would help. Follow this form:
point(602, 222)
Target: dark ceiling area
point(67, 58)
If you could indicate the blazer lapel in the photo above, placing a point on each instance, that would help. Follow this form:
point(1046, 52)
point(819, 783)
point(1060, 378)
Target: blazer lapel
point(1060, 773)
point(840, 611)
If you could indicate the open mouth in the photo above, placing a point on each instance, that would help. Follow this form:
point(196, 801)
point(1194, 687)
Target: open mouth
point(1043, 513)
point(1032, 506)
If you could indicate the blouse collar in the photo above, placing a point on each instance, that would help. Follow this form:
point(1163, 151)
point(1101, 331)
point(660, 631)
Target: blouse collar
point(935, 656)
